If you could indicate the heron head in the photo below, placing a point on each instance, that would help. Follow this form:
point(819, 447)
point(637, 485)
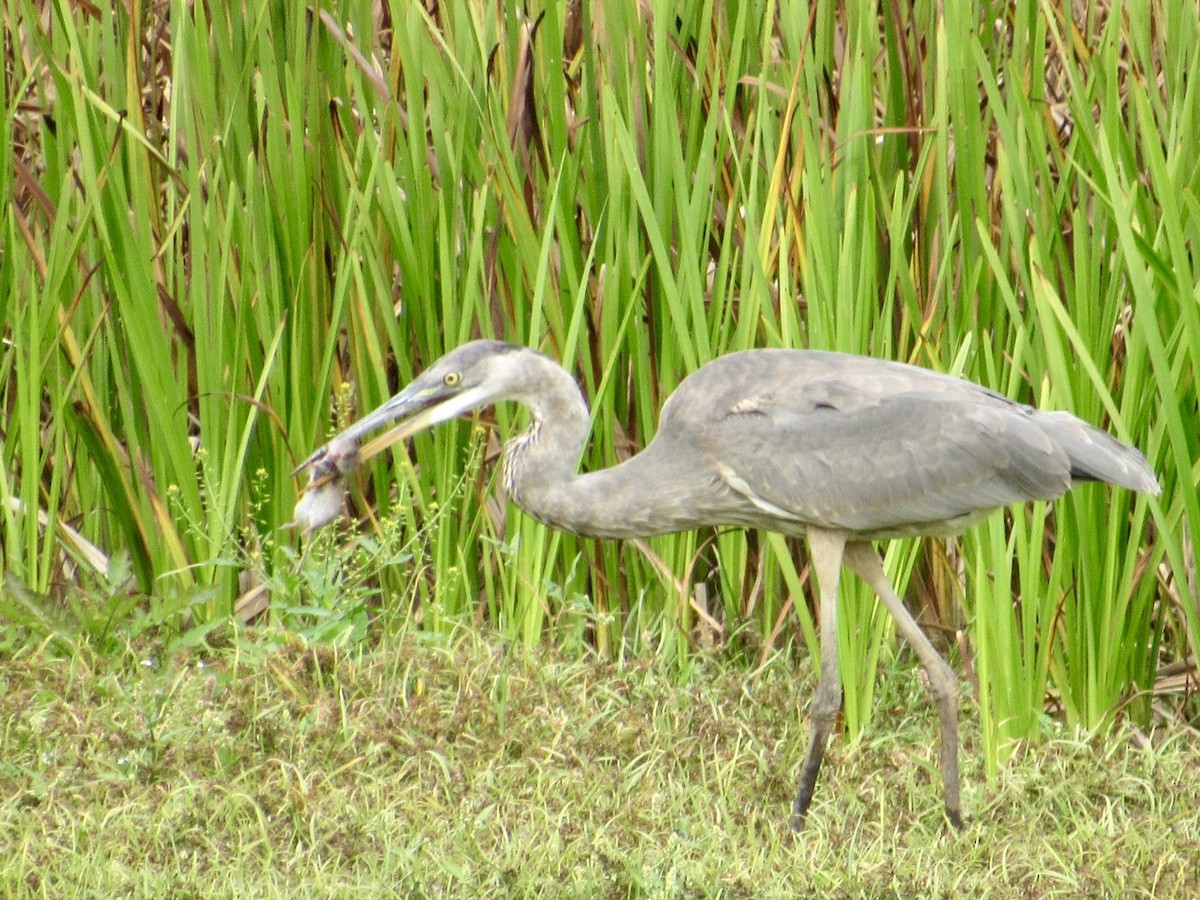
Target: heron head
point(471, 376)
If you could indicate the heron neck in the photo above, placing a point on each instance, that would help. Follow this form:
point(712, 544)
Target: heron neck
point(541, 474)
point(540, 468)
point(596, 504)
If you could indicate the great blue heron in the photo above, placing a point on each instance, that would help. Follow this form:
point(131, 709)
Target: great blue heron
point(841, 449)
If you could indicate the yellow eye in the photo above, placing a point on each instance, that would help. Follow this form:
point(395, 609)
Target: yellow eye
point(451, 379)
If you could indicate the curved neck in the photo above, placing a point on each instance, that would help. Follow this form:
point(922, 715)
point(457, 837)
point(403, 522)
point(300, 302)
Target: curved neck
point(540, 470)
point(538, 463)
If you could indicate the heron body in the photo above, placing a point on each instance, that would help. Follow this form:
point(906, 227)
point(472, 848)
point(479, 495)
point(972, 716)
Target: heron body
point(841, 449)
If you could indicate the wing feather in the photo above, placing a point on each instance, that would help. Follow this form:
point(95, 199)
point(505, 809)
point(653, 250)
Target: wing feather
point(864, 445)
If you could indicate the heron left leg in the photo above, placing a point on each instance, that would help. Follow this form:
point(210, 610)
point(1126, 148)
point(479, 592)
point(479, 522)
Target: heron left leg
point(862, 558)
point(825, 550)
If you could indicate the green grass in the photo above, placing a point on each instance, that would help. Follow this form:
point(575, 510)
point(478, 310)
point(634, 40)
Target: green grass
point(229, 228)
point(457, 767)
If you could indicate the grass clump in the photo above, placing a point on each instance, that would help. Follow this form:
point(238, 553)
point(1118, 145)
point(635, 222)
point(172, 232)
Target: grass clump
point(459, 766)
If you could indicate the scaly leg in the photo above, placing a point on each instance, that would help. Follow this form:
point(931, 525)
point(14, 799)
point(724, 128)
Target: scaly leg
point(862, 558)
point(825, 550)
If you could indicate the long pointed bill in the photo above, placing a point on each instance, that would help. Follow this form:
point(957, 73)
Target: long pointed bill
point(338, 454)
point(322, 498)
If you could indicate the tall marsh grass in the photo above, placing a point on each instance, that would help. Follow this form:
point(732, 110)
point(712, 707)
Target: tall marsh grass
point(229, 227)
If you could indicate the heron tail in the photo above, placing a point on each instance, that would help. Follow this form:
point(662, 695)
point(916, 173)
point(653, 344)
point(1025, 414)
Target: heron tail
point(1097, 456)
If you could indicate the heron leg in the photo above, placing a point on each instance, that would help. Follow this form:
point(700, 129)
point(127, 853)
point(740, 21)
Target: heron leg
point(825, 549)
point(862, 558)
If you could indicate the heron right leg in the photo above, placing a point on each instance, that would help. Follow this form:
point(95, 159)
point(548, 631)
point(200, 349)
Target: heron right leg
point(825, 550)
point(865, 561)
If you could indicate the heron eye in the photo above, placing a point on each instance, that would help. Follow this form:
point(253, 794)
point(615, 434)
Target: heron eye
point(451, 379)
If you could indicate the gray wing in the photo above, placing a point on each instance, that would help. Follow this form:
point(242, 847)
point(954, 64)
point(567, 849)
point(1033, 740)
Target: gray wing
point(864, 445)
